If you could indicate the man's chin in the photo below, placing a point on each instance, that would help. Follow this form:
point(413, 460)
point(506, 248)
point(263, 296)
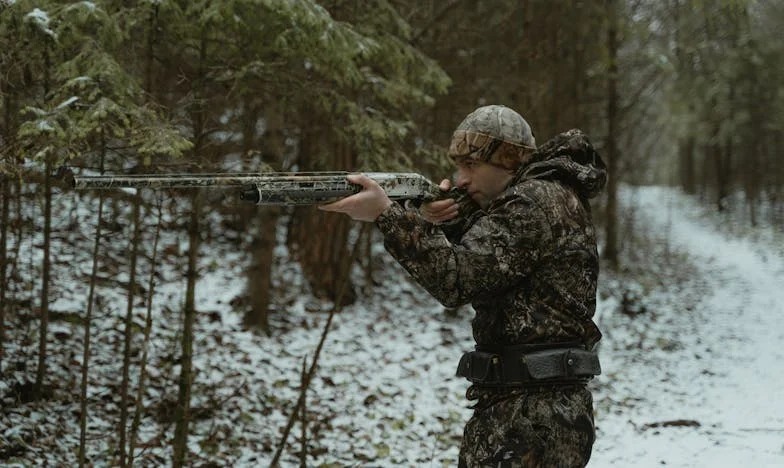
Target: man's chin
point(481, 201)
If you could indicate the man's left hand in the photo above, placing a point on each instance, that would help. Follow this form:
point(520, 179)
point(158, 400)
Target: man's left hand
point(366, 205)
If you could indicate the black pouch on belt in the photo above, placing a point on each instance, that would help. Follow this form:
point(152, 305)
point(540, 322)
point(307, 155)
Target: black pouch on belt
point(562, 363)
point(478, 366)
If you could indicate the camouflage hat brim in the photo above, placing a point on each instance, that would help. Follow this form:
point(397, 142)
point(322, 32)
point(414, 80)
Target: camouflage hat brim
point(485, 148)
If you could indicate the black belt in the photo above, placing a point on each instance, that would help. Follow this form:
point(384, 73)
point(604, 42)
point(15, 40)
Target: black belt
point(519, 365)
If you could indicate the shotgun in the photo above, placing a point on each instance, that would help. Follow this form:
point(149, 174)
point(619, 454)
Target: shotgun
point(277, 188)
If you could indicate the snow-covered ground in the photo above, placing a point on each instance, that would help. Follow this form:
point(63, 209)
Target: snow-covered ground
point(691, 357)
point(697, 379)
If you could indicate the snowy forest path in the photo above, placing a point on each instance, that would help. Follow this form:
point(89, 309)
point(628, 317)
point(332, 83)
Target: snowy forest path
point(696, 380)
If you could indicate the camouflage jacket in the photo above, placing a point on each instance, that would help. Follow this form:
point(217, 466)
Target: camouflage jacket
point(528, 264)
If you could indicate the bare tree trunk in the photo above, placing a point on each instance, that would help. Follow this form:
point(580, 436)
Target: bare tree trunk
point(88, 323)
point(3, 259)
point(150, 55)
point(727, 176)
point(754, 166)
point(729, 147)
point(5, 179)
point(303, 454)
point(46, 274)
point(722, 190)
point(148, 85)
point(182, 414)
point(137, 415)
point(705, 175)
point(260, 271)
point(265, 222)
point(578, 46)
point(687, 165)
point(45, 278)
point(776, 187)
point(86, 342)
point(528, 53)
point(555, 103)
point(686, 146)
point(19, 225)
point(323, 257)
point(611, 226)
point(128, 333)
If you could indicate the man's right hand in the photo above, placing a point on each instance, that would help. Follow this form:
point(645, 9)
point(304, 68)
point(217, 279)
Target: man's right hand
point(440, 211)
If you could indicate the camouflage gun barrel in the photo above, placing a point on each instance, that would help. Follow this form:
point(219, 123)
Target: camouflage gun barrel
point(275, 188)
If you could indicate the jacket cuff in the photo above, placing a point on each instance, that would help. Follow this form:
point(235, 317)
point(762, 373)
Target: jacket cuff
point(387, 220)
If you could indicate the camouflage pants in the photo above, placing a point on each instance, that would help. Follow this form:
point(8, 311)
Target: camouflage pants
point(548, 429)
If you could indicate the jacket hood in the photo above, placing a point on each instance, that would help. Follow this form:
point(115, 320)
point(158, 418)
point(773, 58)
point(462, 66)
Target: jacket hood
point(570, 159)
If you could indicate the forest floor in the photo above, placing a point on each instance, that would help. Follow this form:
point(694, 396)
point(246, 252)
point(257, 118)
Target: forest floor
point(691, 354)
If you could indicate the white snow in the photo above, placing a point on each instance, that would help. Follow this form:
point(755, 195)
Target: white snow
point(45, 126)
point(68, 102)
point(41, 19)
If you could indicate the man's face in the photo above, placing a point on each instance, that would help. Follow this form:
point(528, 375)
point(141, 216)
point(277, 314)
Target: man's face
point(483, 181)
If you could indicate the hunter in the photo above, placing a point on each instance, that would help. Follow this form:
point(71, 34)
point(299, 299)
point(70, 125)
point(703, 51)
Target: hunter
point(526, 260)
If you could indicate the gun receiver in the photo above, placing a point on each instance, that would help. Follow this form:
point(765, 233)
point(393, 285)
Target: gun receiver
point(275, 188)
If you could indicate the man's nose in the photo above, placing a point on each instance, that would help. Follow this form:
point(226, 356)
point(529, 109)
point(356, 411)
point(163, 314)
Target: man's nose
point(461, 179)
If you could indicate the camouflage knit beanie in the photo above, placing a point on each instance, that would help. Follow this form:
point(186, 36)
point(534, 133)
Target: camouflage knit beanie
point(496, 135)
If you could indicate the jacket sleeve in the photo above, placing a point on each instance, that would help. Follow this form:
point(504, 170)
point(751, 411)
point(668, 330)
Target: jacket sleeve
point(496, 253)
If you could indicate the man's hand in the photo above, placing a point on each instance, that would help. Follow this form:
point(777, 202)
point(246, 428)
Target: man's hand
point(441, 210)
point(366, 205)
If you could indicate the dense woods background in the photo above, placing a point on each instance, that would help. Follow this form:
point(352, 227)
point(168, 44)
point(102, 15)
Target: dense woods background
point(678, 92)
